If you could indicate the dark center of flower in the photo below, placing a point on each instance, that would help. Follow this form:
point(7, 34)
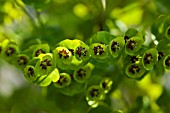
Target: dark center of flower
point(167, 61)
point(148, 58)
point(131, 44)
point(30, 72)
point(10, 51)
point(104, 85)
point(22, 60)
point(160, 55)
point(0, 49)
point(81, 73)
point(115, 46)
point(126, 38)
point(98, 50)
point(62, 80)
point(134, 59)
point(38, 52)
point(72, 51)
point(81, 51)
point(134, 68)
point(63, 53)
point(168, 31)
point(45, 63)
point(94, 92)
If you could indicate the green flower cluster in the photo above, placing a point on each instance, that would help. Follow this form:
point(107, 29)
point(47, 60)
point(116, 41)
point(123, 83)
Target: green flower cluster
point(69, 66)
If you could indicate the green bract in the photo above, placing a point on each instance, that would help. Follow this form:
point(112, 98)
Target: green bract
point(81, 75)
point(116, 46)
point(45, 65)
point(135, 71)
point(40, 49)
point(62, 54)
point(99, 51)
point(166, 62)
point(149, 59)
point(106, 84)
point(63, 81)
point(9, 52)
point(73, 62)
point(45, 80)
point(131, 32)
point(21, 60)
point(29, 73)
point(95, 93)
point(166, 27)
point(82, 52)
point(133, 45)
point(103, 37)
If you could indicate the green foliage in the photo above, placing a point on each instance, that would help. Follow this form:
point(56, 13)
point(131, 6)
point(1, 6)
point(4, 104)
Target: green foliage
point(87, 56)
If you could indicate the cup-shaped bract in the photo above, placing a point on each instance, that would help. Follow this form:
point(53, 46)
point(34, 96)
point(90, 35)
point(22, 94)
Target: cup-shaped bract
point(116, 46)
point(135, 71)
point(150, 58)
point(45, 80)
point(64, 80)
point(45, 65)
point(29, 73)
point(157, 26)
point(166, 27)
point(82, 52)
point(95, 93)
point(166, 62)
point(69, 44)
point(62, 54)
point(40, 49)
point(81, 75)
point(21, 60)
point(10, 52)
point(99, 51)
point(106, 84)
point(133, 45)
point(131, 32)
point(102, 37)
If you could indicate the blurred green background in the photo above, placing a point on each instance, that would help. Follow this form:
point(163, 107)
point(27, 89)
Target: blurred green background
point(54, 20)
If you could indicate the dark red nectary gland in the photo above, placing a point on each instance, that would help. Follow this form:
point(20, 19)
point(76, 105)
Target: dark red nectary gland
point(98, 48)
point(167, 61)
point(131, 44)
point(133, 69)
point(38, 52)
point(66, 54)
point(81, 51)
point(22, 60)
point(104, 85)
point(81, 73)
point(94, 92)
point(62, 80)
point(10, 51)
point(146, 58)
point(113, 46)
point(30, 71)
point(126, 38)
point(72, 51)
point(44, 64)
point(0, 49)
point(169, 31)
point(133, 59)
point(160, 55)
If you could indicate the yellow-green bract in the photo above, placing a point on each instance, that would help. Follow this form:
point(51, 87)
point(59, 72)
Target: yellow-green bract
point(116, 46)
point(81, 75)
point(149, 59)
point(63, 81)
